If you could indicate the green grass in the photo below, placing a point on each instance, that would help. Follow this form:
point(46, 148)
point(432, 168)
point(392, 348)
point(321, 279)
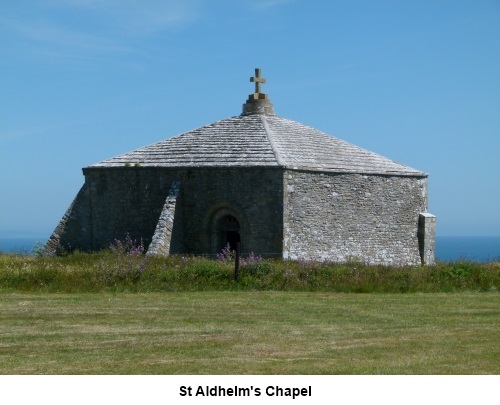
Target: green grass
point(249, 332)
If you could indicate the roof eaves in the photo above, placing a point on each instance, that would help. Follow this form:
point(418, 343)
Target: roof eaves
point(367, 172)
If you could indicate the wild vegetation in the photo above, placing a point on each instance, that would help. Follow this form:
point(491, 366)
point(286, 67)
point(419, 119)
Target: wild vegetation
point(124, 267)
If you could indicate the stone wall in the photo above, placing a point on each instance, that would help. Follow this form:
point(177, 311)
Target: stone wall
point(281, 213)
point(252, 195)
point(126, 200)
point(115, 202)
point(74, 231)
point(339, 217)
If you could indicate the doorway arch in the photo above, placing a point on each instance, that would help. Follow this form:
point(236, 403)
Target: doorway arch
point(228, 232)
point(226, 224)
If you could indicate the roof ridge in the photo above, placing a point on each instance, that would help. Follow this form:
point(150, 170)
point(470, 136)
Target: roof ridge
point(269, 134)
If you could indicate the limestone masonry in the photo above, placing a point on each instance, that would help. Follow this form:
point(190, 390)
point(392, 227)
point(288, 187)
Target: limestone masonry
point(277, 187)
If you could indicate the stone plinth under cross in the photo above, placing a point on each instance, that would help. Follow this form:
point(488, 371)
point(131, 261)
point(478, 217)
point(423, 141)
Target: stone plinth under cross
point(258, 103)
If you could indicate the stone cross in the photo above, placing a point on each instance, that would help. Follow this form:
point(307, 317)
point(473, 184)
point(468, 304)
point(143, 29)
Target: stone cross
point(258, 80)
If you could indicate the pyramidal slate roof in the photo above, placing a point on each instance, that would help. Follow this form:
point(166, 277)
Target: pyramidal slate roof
point(258, 138)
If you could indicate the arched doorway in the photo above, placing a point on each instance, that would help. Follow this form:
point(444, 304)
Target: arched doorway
point(228, 232)
point(224, 224)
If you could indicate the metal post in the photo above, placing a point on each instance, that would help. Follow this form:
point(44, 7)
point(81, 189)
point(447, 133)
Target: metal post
point(237, 262)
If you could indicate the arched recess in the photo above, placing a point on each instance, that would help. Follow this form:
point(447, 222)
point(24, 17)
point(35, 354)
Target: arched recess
point(227, 231)
point(226, 224)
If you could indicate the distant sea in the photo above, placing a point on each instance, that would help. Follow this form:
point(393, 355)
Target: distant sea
point(20, 244)
point(448, 248)
point(475, 248)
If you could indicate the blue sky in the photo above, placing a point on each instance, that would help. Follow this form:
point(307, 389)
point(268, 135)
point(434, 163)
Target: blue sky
point(83, 80)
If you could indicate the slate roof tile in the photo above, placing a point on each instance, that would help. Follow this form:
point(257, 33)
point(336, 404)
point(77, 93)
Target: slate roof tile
point(259, 140)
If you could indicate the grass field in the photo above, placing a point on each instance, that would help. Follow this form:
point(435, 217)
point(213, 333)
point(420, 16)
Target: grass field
point(249, 332)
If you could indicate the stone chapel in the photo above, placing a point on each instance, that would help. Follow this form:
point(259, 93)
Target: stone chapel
point(278, 187)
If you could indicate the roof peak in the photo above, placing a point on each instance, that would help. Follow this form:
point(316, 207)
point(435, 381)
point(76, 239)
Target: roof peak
point(258, 102)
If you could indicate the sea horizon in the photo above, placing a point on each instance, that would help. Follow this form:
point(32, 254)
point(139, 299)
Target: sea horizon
point(448, 247)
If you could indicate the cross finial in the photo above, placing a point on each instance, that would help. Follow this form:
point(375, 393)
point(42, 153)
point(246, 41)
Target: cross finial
point(258, 103)
point(258, 80)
